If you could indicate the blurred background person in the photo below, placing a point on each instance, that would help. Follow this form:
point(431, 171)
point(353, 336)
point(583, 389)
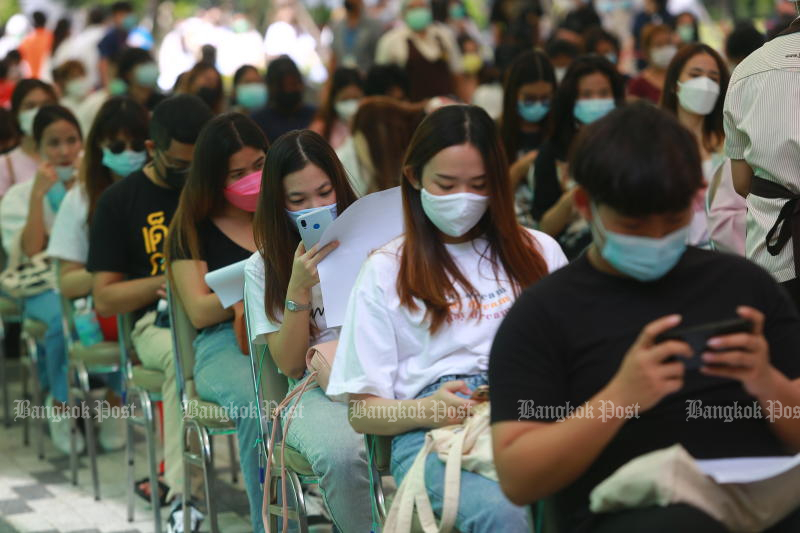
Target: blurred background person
point(741, 42)
point(123, 21)
point(659, 48)
point(77, 92)
point(387, 80)
point(355, 37)
point(82, 46)
point(205, 81)
point(137, 77)
point(35, 48)
point(340, 105)
point(286, 109)
point(249, 92)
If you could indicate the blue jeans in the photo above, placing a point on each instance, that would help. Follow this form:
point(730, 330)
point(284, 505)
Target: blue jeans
point(223, 375)
point(321, 432)
point(46, 307)
point(482, 507)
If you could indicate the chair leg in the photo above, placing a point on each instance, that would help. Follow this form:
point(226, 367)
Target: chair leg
point(42, 428)
point(26, 422)
point(150, 434)
point(73, 425)
point(4, 378)
point(299, 501)
point(233, 458)
point(129, 459)
point(209, 477)
point(91, 439)
point(188, 429)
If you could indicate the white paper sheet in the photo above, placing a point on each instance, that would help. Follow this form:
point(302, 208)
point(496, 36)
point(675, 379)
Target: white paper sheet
point(747, 469)
point(366, 225)
point(228, 283)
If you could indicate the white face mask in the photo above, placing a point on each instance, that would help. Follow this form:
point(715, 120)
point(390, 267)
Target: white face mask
point(661, 56)
point(26, 120)
point(346, 108)
point(560, 73)
point(78, 87)
point(698, 95)
point(454, 214)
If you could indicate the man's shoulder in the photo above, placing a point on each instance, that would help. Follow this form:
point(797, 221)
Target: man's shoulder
point(121, 191)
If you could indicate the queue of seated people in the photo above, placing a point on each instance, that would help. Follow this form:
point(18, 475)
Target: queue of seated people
point(465, 297)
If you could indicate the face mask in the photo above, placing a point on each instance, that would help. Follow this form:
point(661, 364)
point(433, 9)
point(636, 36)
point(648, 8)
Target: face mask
point(56, 195)
point(209, 95)
point(146, 75)
point(472, 63)
point(532, 111)
point(560, 73)
point(661, 56)
point(419, 18)
point(294, 215)
point(26, 120)
point(251, 96)
point(78, 88)
point(240, 26)
point(117, 87)
point(457, 12)
point(124, 163)
point(244, 192)
point(686, 33)
point(65, 173)
point(612, 58)
point(698, 95)
point(175, 178)
point(454, 214)
point(129, 22)
point(590, 109)
point(642, 258)
point(346, 109)
point(288, 101)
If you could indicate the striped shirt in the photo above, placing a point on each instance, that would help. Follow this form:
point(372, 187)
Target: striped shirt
point(762, 127)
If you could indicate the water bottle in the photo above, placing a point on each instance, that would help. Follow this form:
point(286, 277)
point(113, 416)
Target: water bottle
point(89, 332)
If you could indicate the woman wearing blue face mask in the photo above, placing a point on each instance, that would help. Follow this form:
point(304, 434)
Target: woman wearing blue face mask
point(591, 88)
point(286, 312)
point(249, 90)
point(137, 77)
point(527, 97)
point(26, 218)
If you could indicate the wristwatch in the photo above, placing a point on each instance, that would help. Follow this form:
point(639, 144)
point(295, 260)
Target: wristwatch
point(294, 306)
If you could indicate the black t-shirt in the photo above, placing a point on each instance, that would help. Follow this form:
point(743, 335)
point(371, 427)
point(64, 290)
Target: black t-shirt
point(565, 337)
point(130, 226)
point(274, 123)
point(216, 248)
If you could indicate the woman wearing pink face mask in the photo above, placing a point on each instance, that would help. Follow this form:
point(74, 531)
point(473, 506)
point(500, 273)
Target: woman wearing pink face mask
point(213, 228)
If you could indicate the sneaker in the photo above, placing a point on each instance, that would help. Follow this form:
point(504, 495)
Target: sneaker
point(316, 512)
point(60, 431)
point(175, 520)
point(112, 434)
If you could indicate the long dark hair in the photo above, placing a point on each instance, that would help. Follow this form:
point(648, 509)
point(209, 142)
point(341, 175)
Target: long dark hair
point(201, 197)
point(342, 77)
point(713, 129)
point(23, 88)
point(529, 67)
point(274, 234)
point(119, 116)
point(427, 271)
point(49, 114)
point(564, 125)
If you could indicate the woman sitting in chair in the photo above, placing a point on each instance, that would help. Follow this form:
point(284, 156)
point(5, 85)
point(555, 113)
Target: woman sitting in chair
point(213, 228)
point(286, 313)
point(425, 308)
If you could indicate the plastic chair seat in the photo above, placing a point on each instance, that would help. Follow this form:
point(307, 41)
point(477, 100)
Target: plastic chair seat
point(35, 329)
point(100, 354)
point(146, 379)
point(208, 414)
point(9, 307)
point(294, 461)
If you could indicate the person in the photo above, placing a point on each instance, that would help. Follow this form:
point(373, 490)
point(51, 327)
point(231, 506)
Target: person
point(654, 13)
point(425, 306)
point(687, 28)
point(760, 140)
point(82, 46)
point(126, 252)
point(249, 90)
point(37, 46)
point(285, 307)
point(387, 80)
point(21, 163)
point(694, 81)
point(78, 94)
point(591, 89)
point(137, 77)
point(587, 335)
point(26, 220)
point(741, 42)
point(341, 103)
point(381, 131)
point(285, 110)
point(9, 134)
point(562, 54)
point(204, 81)
point(658, 50)
point(529, 89)
point(426, 50)
point(123, 20)
point(603, 43)
point(211, 229)
point(61, 33)
point(354, 38)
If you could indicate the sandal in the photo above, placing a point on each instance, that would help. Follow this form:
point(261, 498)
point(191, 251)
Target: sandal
point(142, 489)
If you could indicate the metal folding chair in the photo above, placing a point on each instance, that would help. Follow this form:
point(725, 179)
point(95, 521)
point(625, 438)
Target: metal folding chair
point(33, 332)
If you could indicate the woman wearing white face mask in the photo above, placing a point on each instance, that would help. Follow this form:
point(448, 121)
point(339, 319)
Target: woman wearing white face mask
point(424, 310)
point(77, 93)
point(657, 44)
point(20, 164)
point(695, 85)
point(341, 103)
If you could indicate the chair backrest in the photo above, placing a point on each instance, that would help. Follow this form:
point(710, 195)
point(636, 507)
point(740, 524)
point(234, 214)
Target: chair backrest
point(127, 352)
point(183, 335)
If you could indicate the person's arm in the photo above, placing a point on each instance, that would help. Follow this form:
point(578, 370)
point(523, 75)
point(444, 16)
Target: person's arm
point(742, 177)
point(202, 306)
point(520, 168)
point(114, 295)
point(74, 281)
point(558, 217)
point(34, 234)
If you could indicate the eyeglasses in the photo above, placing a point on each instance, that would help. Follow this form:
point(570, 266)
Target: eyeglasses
point(119, 146)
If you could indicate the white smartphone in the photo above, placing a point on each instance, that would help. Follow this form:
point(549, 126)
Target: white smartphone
point(312, 225)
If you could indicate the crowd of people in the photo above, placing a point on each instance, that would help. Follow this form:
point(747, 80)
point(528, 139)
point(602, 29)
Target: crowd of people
point(577, 179)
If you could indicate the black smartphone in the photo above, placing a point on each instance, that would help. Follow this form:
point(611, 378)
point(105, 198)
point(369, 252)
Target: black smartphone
point(697, 337)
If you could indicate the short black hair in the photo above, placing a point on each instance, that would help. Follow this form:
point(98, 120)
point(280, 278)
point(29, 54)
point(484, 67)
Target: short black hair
point(129, 59)
point(381, 78)
point(638, 160)
point(279, 69)
point(598, 35)
point(178, 118)
point(8, 126)
point(39, 19)
point(96, 15)
point(121, 7)
point(743, 41)
point(560, 47)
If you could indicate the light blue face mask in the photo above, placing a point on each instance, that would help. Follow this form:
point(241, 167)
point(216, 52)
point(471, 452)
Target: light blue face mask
point(587, 110)
point(124, 163)
point(65, 173)
point(612, 57)
point(251, 96)
point(56, 195)
point(294, 215)
point(532, 111)
point(642, 258)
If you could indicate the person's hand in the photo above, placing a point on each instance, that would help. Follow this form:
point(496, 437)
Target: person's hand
point(45, 178)
point(644, 378)
point(447, 408)
point(747, 359)
point(161, 291)
point(304, 267)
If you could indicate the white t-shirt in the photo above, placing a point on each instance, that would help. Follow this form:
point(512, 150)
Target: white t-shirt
point(69, 239)
point(260, 324)
point(16, 167)
point(387, 350)
point(14, 213)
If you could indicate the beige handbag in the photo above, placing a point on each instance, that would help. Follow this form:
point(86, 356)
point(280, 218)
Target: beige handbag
point(319, 361)
point(672, 476)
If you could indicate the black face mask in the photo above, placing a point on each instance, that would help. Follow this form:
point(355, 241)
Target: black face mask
point(349, 6)
point(288, 102)
point(174, 177)
point(209, 95)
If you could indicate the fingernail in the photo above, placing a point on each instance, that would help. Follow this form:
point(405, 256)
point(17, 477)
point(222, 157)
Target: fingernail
point(709, 356)
point(714, 342)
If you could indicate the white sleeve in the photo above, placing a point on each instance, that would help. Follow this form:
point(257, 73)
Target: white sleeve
point(14, 213)
point(260, 324)
point(383, 51)
point(550, 250)
point(366, 359)
point(69, 238)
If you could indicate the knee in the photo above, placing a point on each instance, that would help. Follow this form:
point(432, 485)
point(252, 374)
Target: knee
point(496, 513)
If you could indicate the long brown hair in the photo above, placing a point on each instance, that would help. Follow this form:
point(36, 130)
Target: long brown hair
point(275, 236)
point(427, 271)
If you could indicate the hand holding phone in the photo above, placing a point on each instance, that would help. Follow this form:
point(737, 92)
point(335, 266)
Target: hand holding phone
point(312, 225)
point(698, 336)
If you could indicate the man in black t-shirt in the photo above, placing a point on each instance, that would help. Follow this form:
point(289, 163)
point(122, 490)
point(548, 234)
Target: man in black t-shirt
point(126, 251)
point(583, 339)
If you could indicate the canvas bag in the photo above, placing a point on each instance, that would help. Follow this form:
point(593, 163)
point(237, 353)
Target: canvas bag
point(465, 446)
point(671, 475)
point(26, 276)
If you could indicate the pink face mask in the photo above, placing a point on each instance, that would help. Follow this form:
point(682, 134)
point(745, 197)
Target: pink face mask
point(244, 193)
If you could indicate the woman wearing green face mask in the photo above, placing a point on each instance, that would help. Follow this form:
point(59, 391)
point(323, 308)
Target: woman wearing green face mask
point(249, 90)
point(137, 77)
point(20, 164)
point(425, 49)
